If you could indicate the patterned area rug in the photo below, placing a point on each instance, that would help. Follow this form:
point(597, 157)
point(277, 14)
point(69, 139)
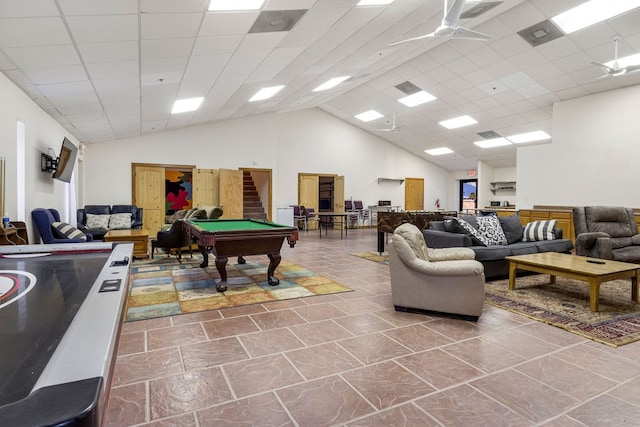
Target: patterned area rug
point(565, 304)
point(374, 256)
point(164, 287)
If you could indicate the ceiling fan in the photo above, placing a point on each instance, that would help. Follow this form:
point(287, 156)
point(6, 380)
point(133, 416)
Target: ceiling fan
point(449, 26)
point(393, 128)
point(615, 69)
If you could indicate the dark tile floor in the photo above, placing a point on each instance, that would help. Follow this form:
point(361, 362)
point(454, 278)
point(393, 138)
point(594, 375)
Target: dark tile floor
point(350, 359)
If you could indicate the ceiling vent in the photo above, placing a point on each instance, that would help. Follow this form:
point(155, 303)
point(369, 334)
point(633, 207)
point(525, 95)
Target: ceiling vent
point(479, 9)
point(276, 20)
point(490, 134)
point(408, 88)
point(541, 33)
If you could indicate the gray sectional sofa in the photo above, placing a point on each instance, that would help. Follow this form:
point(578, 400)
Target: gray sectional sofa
point(445, 234)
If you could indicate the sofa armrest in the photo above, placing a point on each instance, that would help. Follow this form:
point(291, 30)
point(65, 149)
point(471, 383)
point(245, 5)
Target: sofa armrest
point(557, 232)
point(596, 244)
point(136, 219)
point(81, 218)
point(445, 239)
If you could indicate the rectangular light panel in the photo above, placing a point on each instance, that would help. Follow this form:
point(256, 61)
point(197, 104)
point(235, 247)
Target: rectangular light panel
point(489, 143)
point(266, 93)
point(537, 135)
point(367, 116)
point(227, 5)
point(417, 98)
point(439, 151)
point(458, 122)
point(331, 83)
point(592, 12)
point(186, 105)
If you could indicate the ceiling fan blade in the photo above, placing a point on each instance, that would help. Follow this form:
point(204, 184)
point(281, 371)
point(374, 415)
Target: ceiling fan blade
point(453, 15)
point(606, 68)
point(464, 33)
point(632, 68)
point(411, 39)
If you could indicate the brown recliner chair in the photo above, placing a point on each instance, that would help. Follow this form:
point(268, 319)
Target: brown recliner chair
point(607, 232)
point(174, 238)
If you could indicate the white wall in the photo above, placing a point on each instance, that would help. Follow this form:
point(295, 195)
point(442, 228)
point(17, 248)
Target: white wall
point(42, 133)
point(594, 158)
point(309, 141)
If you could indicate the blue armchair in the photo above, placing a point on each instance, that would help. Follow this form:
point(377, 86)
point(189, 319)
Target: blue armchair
point(43, 218)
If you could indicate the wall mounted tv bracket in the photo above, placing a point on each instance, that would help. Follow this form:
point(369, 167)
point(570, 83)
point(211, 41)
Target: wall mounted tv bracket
point(48, 163)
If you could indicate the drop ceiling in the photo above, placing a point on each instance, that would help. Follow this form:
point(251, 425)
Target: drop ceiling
point(108, 70)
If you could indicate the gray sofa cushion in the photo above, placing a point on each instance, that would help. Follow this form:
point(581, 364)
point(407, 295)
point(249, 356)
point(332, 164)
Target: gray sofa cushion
point(488, 253)
point(524, 248)
point(558, 245)
point(512, 228)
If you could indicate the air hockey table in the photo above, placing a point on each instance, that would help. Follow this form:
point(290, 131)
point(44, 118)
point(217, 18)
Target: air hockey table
point(61, 310)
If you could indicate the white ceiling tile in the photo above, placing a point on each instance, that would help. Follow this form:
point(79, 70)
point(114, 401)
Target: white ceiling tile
point(322, 18)
point(172, 6)
point(216, 44)
point(109, 52)
point(18, 77)
point(24, 32)
point(260, 41)
point(483, 56)
point(288, 4)
point(162, 65)
point(108, 28)
point(125, 82)
point(43, 56)
point(557, 83)
point(94, 7)
point(494, 87)
point(273, 64)
point(531, 91)
point(170, 26)
point(52, 75)
point(31, 8)
point(576, 61)
point(166, 48)
point(64, 89)
point(113, 69)
point(517, 80)
point(222, 24)
point(161, 78)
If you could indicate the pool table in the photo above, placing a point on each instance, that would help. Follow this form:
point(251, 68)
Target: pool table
point(238, 237)
point(61, 309)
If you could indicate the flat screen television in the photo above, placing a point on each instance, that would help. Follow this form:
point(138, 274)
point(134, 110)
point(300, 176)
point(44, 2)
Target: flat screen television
point(66, 161)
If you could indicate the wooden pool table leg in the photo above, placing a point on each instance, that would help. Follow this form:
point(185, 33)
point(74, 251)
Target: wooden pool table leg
point(221, 266)
point(271, 271)
point(204, 250)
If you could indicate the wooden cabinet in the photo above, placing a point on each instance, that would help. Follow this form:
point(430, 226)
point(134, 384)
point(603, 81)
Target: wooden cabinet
point(564, 219)
point(14, 235)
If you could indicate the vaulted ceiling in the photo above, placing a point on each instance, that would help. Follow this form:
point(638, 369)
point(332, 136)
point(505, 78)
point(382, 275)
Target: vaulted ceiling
point(112, 69)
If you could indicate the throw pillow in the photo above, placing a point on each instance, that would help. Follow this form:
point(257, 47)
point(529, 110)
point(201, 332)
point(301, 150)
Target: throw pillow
point(539, 230)
point(489, 227)
point(512, 228)
point(197, 214)
point(476, 237)
point(120, 221)
point(98, 221)
point(62, 230)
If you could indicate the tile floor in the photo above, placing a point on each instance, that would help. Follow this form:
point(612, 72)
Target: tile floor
point(351, 360)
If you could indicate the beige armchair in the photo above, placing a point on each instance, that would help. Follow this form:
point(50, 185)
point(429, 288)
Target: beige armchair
point(447, 280)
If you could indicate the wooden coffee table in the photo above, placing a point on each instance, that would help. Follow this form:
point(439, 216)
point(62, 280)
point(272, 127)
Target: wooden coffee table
point(140, 239)
point(576, 267)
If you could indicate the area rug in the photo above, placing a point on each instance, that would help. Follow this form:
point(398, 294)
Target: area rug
point(165, 287)
point(565, 304)
point(374, 256)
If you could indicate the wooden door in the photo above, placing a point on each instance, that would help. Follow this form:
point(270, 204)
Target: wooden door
point(148, 194)
point(308, 194)
point(231, 193)
point(414, 194)
point(206, 187)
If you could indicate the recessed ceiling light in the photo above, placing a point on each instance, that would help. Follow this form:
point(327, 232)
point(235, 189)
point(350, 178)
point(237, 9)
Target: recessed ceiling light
point(489, 143)
point(367, 116)
point(185, 105)
point(227, 5)
point(331, 83)
point(266, 93)
point(458, 122)
point(529, 137)
point(374, 2)
point(592, 12)
point(439, 151)
point(417, 98)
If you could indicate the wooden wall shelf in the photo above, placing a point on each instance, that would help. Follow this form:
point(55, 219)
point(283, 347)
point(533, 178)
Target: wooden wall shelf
point(398, 180)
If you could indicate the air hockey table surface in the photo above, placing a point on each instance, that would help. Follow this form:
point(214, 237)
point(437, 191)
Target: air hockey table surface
point(61, 309)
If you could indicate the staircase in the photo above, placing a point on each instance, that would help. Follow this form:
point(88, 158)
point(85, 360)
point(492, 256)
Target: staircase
point(251, 203)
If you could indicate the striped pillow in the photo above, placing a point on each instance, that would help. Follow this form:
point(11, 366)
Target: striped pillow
point(65, 231)
point(539, 230)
